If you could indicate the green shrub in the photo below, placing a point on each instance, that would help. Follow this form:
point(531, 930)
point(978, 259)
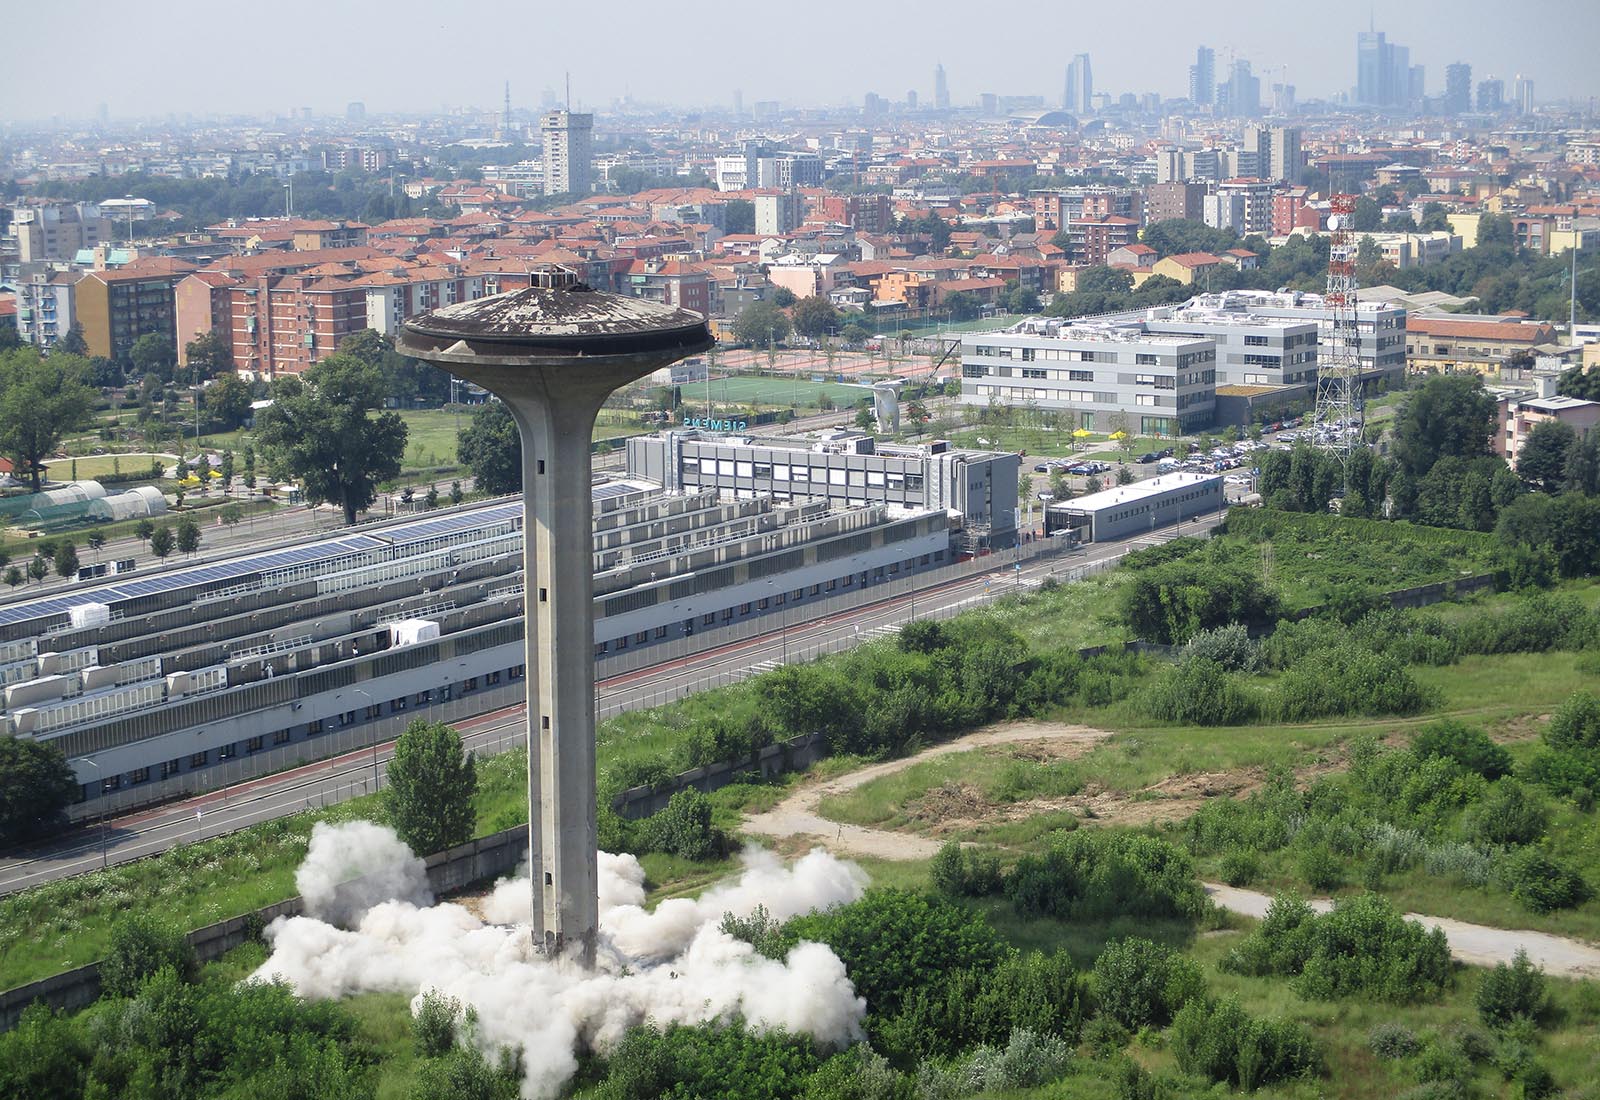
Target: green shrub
point(433, 1026)
point(959, 872)
point(683, 828)
point(1219, 1041)
point(1138, 982)
point(1027, 1061)
point(1362, 946)
point(1513, 992)
point(707, 1061)
point(1240, 867)
point(1320, 869)
point(758, 929)
point(859, 1074)
point(1467, 745)
point(142, 944)
point(1393, 1041)
point(1229, 647)
point(1348, 679)
point(895, 942)
point(1541, 883)
point(1576, 724)
point(1173, 601)
point(1508, 815)
point(1198, 692)
point(1094, 875)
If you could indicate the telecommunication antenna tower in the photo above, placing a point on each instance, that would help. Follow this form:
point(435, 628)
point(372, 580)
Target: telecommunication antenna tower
point(1340, 413)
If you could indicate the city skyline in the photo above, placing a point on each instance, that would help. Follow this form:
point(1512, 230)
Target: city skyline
point(635, 68)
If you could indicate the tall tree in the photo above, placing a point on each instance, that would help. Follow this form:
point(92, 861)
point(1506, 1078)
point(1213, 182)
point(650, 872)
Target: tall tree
point(1542, 460)
point(40, 400)
point(1583, 464)
point(762, 325)
point(208, 356)
point(1450, 415)
point(491, 447)
point(161, 541)
point(227, 400)
point(153, 354)
point(72, 343)
point(815, 317)
point(431, 783)
point(321, 429)
point(37, 786)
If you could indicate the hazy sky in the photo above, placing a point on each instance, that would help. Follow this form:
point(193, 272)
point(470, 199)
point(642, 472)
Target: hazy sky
point(65, 58)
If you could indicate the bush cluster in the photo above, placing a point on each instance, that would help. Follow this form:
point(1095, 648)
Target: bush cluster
point(1096, 874)
point(1220, 1041)
point(1139, 983)
point(1361, 947)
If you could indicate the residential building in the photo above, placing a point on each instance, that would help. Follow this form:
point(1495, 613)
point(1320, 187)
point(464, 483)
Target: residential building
point(863, 213)
point(44, 304)
point(116, 307)
point(1091, 239)
point(568, 153)
point(57, 231)
point(1189, 268)
point(1457, 88)
point(1248, 205)
point(1102, 375)
point(777, 213)
point(670, 282)
point(1519, 416)
point(1491, 96)
point(1175, 199)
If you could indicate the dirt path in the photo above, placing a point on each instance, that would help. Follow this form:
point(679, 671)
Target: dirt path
point(797, 816)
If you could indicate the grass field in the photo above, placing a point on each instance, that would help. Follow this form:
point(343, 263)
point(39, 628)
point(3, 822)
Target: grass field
point(89, 467)
point(784, 392)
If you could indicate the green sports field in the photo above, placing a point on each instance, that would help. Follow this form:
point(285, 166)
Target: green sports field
point(771, 391)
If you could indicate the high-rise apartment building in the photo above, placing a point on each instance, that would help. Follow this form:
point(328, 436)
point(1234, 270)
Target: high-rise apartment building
point(1240, 97)
point(1080, 86)
point(1174, 199)
point(1522, 94)
point(568, 153)
point(1203, 78)
point(1458, 88)
point(1491, 96)
point(57, 230)
point(116, 306)
point(1276, 152)
point(941, 89)
point(777, 213)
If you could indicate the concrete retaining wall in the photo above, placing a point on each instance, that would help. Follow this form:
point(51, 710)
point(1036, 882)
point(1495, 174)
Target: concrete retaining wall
point(476, 861)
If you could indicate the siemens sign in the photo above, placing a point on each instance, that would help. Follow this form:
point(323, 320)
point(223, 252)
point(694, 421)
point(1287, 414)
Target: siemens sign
point(713, 425)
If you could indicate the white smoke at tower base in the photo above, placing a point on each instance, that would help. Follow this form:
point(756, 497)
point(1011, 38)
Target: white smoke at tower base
point(672, 965)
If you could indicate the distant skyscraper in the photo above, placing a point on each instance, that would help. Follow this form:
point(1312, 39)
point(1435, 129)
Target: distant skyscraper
point(1417, 87)
point(1384, 76)
point(941, 89)
point(355, 111)
point(568, 153)
point(738, 102)
point(1203, 78)
point(1458, 88)
point(1080, 86)
point(1491, 96)
point(1522, 94)
point(1240, 97)
point(911, 99)
point(1283, 99)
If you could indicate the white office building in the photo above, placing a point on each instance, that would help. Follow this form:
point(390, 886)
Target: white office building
point(1105, 374)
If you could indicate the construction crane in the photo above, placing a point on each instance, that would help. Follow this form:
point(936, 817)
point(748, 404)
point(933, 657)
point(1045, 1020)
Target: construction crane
point(1340, 417)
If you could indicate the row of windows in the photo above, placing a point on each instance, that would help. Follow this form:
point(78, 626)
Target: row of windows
point(782, 599)
point(1055, 355)
point(258, 743)
point(694, 469)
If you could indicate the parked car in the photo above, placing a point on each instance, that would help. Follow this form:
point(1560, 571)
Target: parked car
point(1150, 457)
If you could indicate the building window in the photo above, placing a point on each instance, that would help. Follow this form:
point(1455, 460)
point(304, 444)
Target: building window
point(348, 718)
point(171, 767)
point(256, 743)
point(397, 704)
point(518, 671)
point(1080, 375)
point(373, 711)
point(491, 679)
point(225, 752)
point(424, 698)
point(198, 760)
point(139, 775)
point(1144, 360)
point(281, 737)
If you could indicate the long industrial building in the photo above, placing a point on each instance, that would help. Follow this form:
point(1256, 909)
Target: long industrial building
point(145, 681)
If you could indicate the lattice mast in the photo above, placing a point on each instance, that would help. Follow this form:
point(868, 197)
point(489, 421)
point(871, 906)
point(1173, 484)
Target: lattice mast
point(1340, 413)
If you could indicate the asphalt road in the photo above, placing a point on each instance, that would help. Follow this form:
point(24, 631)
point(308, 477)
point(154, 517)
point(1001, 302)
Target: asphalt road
point(329, 781)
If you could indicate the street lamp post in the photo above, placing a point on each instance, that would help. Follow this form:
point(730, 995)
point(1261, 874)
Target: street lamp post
point(105, 859)
point(363, 693)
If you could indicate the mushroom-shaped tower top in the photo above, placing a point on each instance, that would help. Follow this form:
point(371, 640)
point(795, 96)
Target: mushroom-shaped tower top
point(558, 320)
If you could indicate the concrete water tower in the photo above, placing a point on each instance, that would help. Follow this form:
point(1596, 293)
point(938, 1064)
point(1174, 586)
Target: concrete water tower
point(553, 353)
